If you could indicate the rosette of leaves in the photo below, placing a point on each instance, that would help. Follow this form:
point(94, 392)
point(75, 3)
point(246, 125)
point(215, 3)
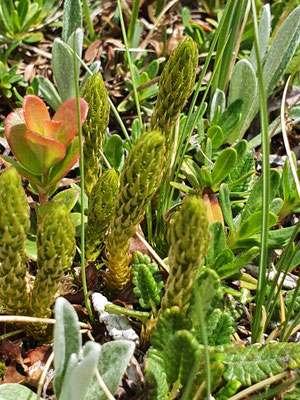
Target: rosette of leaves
point(176, 84)
point(56, 248)
point(147, 281)
point(139, 180)
point(14, 225)
point(100, 210)
point(188, 238)
point(96, 96)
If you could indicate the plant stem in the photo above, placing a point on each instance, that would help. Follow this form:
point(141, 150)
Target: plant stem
point(132, 23)
point(136, 97)
point(257, 330)
point(81, 168)
point(87, 17)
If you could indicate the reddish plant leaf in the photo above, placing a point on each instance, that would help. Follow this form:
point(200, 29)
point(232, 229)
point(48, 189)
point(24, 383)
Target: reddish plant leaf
point(11, 374)
point(52, 128)
point(12, 351)
point(61, 169)
point(15, 130)
point(35, 113)
point(48, 151)
point(67, 112)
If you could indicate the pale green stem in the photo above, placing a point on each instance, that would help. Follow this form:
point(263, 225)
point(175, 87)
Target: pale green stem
point(81, 168)
point(257, 330)
point(136, 97)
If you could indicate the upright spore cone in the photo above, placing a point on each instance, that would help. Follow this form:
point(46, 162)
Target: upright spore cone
point(189, 240)
point(56, 249)
point(139, 180)
point(14, 225)
point(101, 206)
point(96, 96)
point(176, 84)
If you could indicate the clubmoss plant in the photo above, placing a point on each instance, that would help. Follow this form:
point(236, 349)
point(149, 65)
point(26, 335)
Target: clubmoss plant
point(139, 180)
point(14, 225)
point(96, 96)
point(56, 249)
point(189, 240)
point(176, 84)
point(101, 207)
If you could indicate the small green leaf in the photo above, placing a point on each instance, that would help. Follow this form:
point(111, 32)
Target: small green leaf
point(49, 92)
point(239, 262)
point(67, 197)
point(231, 117)
point(152, 69)
point(252, 224)
point(31, 249)
point(264, 30)
point(156, 376)
point(114, 151)
point(217, 105)
point(216, 135)
point(224, 199)
point(223, 166)
point(217, 243)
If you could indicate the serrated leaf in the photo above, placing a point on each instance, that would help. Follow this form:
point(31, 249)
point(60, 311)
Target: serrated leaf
point(254, 363)
point(156, 376)
point(179, 355)
point(219, 327)
point(170, 321)
point(113, 360)
point(223, 166)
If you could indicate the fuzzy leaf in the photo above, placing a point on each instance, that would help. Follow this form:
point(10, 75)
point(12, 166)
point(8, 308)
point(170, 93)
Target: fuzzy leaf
point(72, 18)
point(254, 363)
point(243, 85)
point(13, 391)
point(113, 360)
point(216, 136)
point(67, 340)
point(224, 199)
point(264, 30)
point(252, 224)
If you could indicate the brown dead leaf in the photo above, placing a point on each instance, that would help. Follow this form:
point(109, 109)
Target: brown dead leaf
point(12, 351)
point(175, 38)
point(38, 354)
point(11, 374)
point(92, 51)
